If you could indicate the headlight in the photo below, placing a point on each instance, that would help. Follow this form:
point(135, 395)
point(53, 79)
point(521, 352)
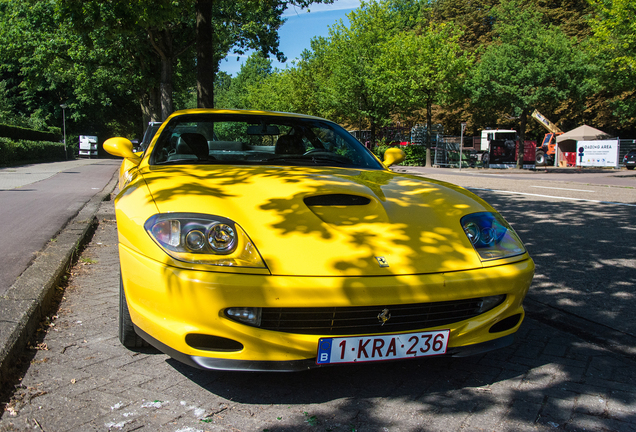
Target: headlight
point(491, 236)
point(203, 239)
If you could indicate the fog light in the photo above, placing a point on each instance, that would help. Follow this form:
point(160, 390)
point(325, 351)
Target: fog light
point(246, 315)
point(488, 303)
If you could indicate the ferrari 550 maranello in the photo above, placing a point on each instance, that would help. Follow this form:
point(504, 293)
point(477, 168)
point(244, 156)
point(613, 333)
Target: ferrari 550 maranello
point(253, 240)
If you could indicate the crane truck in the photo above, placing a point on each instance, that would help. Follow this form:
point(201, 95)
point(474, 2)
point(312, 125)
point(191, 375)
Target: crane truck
point(546, 153)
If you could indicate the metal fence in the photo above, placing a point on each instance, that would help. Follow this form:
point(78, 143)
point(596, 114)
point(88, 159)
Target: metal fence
point(446, 152)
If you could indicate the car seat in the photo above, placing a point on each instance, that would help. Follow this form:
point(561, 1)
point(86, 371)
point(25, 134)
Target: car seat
point(289, 144)
point(197, 144)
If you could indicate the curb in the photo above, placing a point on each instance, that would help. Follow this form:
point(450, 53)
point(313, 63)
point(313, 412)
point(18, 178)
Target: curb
point(29, 299)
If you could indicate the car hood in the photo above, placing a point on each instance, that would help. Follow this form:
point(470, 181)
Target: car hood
point(330, 221)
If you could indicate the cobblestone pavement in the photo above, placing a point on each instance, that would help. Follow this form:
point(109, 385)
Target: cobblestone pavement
point(80, 378)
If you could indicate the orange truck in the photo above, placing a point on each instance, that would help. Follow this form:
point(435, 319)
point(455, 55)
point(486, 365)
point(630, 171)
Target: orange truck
point(546, 152)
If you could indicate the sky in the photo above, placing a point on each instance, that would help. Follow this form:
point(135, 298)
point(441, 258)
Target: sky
point(296, 34)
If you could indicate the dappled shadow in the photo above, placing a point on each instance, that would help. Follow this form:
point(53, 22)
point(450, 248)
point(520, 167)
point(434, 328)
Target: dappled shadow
point(541, 380)
point(584, 255)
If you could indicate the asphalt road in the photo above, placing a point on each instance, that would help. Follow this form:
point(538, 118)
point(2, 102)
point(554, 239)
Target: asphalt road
point(36, 201)
point(77, 377)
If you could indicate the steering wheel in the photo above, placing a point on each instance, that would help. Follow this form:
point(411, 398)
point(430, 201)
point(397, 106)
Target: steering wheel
point(315, 150)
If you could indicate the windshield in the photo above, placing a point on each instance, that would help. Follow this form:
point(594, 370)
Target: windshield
point(240, 139)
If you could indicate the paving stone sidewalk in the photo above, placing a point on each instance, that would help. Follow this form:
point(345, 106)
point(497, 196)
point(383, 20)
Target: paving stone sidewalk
point(14, 177)
point(80, 378)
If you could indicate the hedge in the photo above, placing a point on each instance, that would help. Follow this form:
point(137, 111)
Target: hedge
point(13, 152)
point(22, 133)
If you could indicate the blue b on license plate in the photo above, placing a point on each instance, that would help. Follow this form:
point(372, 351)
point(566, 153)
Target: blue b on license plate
point(382, 347)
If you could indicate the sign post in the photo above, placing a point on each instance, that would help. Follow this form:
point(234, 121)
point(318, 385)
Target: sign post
point(461, 145)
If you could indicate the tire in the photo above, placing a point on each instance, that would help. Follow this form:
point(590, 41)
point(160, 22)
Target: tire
point(127, 335)
point(630, 167)
point(540, 159)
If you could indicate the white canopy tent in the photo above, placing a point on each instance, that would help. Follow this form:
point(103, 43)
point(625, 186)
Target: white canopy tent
point(567, 141)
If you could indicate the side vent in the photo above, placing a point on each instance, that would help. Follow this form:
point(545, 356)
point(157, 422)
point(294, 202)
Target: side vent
point(336, 200)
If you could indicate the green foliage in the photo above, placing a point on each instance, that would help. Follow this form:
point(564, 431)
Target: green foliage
point(380, 149)
point(243, 90)
point(529, 65)
point(415, 155)
point(474, 17)
point(353, 56)
point(419, 69)
point(395, 60)
point(20, 151)
point(614, 47)
point(22, 133)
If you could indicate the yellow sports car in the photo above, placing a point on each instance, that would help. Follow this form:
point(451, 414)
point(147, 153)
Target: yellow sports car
point(252, 240)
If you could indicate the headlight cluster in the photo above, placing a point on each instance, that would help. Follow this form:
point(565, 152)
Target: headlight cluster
point(491, 236)
point(203, 239)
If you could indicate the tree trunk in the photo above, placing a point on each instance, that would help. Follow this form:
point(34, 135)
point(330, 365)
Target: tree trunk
point(144, 102)
point(429, 126)
point(150, 108)
point(155, 104)
point(165, 86)
point(522, 137)
point(205, 55)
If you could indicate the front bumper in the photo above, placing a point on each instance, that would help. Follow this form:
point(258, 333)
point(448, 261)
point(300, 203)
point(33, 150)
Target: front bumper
point(167, 303)
point(210, 363)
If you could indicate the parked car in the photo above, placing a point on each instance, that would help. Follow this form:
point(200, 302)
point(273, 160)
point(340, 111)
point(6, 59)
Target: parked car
point(149, 134)
point(629, 160)
point(252, 240)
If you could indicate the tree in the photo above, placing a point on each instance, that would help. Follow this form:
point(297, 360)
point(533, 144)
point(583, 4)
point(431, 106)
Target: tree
point(423, 68)
point(613, 45)
point(44, 64)
point(354, 86)
point(529, 65)
point(250, 78)
point(236, 26)
point(155, 33)
point(475, 18)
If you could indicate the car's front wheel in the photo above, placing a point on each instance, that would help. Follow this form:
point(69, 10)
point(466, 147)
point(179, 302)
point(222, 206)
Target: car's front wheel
point(127, 335)
point(540, 159)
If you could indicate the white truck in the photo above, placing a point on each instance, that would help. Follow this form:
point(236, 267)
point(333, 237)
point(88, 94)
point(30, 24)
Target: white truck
point(496, 147)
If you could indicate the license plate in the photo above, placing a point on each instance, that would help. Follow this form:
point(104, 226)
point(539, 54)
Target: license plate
point(378, 348)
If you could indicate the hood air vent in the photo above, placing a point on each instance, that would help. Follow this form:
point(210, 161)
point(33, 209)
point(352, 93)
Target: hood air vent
point(336, 200)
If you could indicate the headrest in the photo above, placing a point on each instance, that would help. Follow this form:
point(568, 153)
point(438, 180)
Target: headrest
point(197, 143)
point(289, 144)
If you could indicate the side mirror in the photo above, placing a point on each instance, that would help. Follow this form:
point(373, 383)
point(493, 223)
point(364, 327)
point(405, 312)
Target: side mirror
point(393, 156)
point(121, 147)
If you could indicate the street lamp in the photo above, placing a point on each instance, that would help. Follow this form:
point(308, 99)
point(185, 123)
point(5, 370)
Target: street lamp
point(63, 106)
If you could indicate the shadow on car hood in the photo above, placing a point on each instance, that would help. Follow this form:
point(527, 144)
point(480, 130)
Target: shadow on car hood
point(327, 222)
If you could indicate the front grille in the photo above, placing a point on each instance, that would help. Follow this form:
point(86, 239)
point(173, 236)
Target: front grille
point(364, 319)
